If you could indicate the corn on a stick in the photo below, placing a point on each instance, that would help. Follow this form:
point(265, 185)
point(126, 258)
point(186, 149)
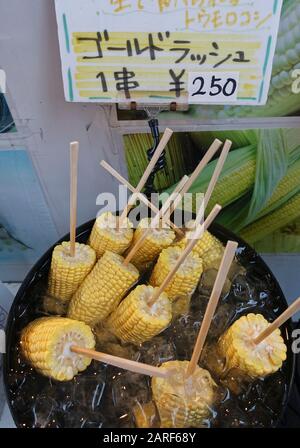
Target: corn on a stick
point(185, 253)
point(208, 247)
point(66, 272)
point(186, 278)
point(287, 314)
point(149, 242)
point(147, 250)
point(161, 146)
point(183, 402)
point(103, 289)
point(135, 321)
point(106, 236)
point(227, 259)
point(237, 346)
point(46, 343)
point(60, 348)
point(71, 262)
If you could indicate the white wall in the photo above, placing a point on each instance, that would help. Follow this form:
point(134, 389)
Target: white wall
point(29, 54)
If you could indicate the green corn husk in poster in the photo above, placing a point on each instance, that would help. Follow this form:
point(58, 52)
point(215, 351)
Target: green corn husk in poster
point(178, 162)
point(236, 179)
point(256, 183)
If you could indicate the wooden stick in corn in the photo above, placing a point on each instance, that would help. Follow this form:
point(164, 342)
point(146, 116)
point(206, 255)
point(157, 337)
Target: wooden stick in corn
point(287, 314)
point(74, 150)
point(212, 305)
point(161, 146)
point(196, 235)
point(71, 262)
point(217, 172)
point(45, 344)
point(183, 403)
point(141, 196)
point(238, 348)
point(126, 364)
point(175, 198)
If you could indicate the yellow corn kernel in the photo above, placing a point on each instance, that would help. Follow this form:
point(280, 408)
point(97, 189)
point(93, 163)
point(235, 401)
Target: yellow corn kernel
point(153, 244)
point(103, 289)
point(183, 402)
point(185, 280)
point(46, 343)
point(105, 236)
point(134, 321)
point(66, 272)
point(239, 350)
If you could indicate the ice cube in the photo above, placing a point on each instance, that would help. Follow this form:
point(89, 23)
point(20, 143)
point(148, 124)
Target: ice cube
point(44, 412)
point(157, 351)
point(221, 321)
point(207, 282)
point(243, 290)
point(93, 420)
point(88, 391)
point(128, 389)
point(184, 333)
point(229, 415)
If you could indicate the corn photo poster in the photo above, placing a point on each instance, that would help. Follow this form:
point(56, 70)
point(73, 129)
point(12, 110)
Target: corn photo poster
point(259, 187)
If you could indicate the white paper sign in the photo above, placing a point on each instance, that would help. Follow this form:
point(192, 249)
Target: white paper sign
point(144, 50)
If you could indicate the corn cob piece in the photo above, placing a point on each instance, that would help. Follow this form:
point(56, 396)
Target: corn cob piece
point(105, 236)
point(46, 343)
point(279, 218)
point(239, 350)
point(66, 272)
point(209, 248)
point(183, 402)
point(186, 278)
point(103, 289)
point(134, 321)
point(154, 243)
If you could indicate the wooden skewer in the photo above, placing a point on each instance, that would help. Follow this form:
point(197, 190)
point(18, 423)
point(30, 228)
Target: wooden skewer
point(74, 150)
point(214, 147)
point(174, 197)
point(287, 314)
point(189, 247)
point(161, 146)
point(141, 196)
point(212, 304)
point(126, 364)
point(217, 171)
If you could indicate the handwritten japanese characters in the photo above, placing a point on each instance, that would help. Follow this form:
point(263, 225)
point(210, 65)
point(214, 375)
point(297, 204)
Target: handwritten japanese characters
point(144, 50)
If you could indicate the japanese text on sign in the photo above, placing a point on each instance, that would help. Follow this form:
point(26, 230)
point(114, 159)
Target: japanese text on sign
point(144, 50)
